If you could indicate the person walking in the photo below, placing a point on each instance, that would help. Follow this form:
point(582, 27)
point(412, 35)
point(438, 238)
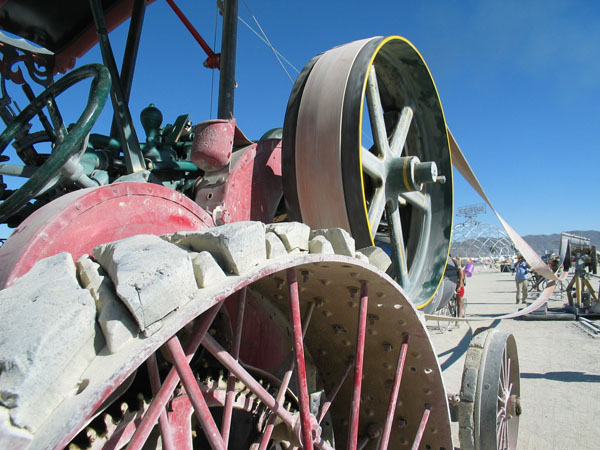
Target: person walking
point(521, 279)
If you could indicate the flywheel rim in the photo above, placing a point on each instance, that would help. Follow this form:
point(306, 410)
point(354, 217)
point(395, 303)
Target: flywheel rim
point(336, 194)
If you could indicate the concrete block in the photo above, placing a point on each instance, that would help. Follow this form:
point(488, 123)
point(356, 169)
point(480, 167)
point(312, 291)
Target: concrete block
point(206, 270)
point(275, 247)
point(377, 257)
point(342, 242)
point(292, 234)
point(116, 322)
point(47, 338)
point(237, 247)
point(152, 277)
point(12, 437)
point(320, 244)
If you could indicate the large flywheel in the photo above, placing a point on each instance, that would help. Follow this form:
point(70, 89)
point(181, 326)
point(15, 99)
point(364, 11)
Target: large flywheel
point(365, 148)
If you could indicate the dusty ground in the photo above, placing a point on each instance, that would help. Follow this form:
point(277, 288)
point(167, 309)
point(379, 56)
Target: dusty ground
point(559, 362)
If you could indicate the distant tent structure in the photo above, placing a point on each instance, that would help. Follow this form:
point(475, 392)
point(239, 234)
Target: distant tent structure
point(481, 241)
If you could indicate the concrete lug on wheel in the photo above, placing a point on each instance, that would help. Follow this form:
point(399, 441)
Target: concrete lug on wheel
point(469, 385)
point(340, 239)
point(152, 277)
point(206, 270)
point(377, 257)
point(11, 436)
point(42, 361)
point(292, 234)
point(236, 246)
point(319, 244)
point(275, 247)
point(116, 322)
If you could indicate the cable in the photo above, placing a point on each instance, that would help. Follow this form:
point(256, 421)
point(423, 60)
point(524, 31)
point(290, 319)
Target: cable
point(265, 39)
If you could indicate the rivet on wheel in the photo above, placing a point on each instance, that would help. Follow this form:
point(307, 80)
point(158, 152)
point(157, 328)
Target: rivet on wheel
point(278, 282)
point(319, 301)
point(325, 282)
point(372, 319)
point(380, 294)
point(352, 304)
point(326, 313)
point(338, 329)
point(305, 275)
point(387, 347)
point(401, 422)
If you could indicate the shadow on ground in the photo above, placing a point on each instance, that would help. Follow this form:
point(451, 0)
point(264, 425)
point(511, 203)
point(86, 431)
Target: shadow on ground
point(565, 376)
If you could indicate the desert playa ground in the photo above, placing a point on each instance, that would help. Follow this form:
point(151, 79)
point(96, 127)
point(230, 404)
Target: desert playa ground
point(559, 363)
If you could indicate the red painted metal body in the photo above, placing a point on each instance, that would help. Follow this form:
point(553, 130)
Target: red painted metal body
point(213, 144)
point(81, 220)
point(249, 189)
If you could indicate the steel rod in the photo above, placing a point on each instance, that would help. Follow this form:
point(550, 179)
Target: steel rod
point(191, 29)
point(160, 400)
point(132, 152)
point(182, 365)
point(130, 56)
point(230, 396)
point(163, 421)
point(294, 302)
point(228, 54)
point(334, 392)
point(358, 366)
point(421, 428)
point(389, 418)
point(285, 382)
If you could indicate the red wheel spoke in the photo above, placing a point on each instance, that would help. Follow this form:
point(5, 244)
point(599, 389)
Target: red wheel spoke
point(221, 355)
point(294, 301)
point(334, 391)
point(285, 382)
point(193, 390)
point(160, 400)
point(180, 418)
point(163, 421)
point(358, 367)
point(389, 418)
point(229, 400)
point(421, 429)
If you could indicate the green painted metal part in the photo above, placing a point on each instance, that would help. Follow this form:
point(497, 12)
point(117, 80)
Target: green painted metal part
point(99, 91)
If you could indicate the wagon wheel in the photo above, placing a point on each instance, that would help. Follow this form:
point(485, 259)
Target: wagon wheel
point(390, 193)
point(66, 142)
point(399, 401)
point(490, 402)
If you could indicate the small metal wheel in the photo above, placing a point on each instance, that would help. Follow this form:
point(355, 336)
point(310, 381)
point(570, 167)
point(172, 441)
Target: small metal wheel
point(490, 402)
point(66, 143)
point(365, 148)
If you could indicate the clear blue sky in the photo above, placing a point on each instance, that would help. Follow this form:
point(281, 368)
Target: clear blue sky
point(518, 80)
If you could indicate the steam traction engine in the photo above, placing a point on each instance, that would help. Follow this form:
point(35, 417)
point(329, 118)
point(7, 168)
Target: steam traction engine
point(201, 290)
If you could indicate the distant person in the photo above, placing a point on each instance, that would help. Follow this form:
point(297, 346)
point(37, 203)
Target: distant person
point(521, 278)
point(460, 289)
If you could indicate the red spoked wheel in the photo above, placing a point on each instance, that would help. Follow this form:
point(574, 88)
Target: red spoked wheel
point(303, 351)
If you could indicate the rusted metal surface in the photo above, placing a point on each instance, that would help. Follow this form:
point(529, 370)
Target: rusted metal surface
point(79, 221)
point(213, 144)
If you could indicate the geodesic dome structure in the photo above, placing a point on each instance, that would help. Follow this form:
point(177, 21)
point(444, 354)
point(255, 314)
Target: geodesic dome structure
point(481, 241)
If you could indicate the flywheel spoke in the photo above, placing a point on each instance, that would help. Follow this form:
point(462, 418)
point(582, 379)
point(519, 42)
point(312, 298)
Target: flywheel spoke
point(418, 200)
point(376, 209)
point(358, 366)
point(230, 396)
point(376, 114)
point(331, 397)
point(372, 166)
point(401, 131)
point(397, 241)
